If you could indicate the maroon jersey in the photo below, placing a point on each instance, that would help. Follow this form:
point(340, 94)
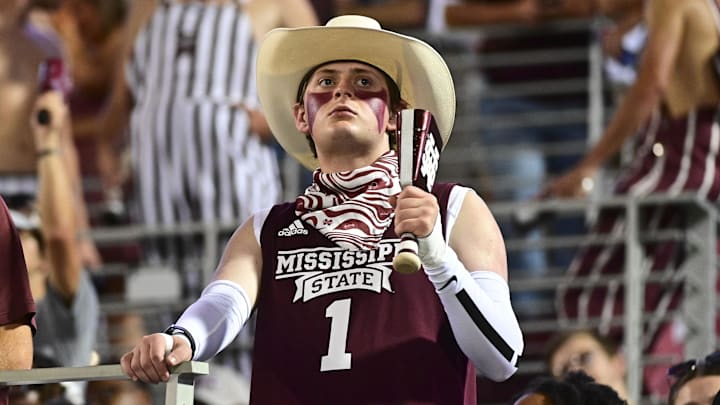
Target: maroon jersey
point(16, 302)
point(338, 326)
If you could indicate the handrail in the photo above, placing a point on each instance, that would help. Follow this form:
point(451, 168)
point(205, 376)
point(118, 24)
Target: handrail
point(179, 389)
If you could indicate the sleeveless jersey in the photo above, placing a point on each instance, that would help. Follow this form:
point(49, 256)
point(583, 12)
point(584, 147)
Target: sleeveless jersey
point(339, 326)
point(194, 157)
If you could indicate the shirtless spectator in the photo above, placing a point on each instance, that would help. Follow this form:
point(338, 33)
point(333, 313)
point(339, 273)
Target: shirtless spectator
point(23, 48)
point(676, 97)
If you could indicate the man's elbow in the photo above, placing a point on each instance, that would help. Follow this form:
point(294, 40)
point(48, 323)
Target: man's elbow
point(16, 347)
point(499, 366)
point(21, 361)
point(498, 372)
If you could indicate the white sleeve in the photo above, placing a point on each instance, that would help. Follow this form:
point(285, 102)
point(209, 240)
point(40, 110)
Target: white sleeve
point(481, 317)
point(216, 318)
point(477, 304)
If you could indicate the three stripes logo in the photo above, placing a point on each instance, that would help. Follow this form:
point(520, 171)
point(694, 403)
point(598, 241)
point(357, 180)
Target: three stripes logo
point(295, 228)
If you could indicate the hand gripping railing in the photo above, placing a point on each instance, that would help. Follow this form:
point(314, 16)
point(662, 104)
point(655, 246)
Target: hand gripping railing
point(179, 389)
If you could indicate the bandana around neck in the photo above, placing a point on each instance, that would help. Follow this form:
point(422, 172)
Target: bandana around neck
point(352, 208)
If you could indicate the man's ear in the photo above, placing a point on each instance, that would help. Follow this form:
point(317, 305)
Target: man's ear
point(392, 122)
point(301, 118)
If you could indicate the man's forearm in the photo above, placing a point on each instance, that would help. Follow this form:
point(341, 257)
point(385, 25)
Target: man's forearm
point(481, 316)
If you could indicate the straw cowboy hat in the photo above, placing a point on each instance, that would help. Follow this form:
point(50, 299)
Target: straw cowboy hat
point(286, 55)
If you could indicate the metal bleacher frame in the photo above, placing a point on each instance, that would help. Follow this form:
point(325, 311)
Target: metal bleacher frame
point(698, 274)
point(179, 389)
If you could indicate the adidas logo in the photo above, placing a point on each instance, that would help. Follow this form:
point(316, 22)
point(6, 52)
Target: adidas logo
point(296, 228)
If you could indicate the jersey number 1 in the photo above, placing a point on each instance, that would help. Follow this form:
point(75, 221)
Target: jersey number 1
point(337, 358)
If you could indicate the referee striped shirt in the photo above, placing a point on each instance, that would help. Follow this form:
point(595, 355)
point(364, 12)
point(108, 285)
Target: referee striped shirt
point(194, 157)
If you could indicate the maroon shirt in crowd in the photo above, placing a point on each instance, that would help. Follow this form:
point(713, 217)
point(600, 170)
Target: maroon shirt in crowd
point(16, 301)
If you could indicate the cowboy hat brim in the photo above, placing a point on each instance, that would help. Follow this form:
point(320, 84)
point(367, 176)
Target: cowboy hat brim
point(287, 55)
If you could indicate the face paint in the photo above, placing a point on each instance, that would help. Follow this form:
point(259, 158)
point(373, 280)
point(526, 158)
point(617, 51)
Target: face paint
point(313, 102)
point(378, 101)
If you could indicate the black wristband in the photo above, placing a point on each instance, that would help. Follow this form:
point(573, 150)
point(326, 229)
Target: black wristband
point(179, 330)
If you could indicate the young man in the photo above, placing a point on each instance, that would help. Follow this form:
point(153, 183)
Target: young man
point(335, 324)
point(68, 310)
point(589, 352)
point(676, 97)
point(16, 302)
point(24, 46)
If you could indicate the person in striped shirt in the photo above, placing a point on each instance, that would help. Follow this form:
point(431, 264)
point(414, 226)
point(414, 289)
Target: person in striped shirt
point(200, 149)
point(675, 103)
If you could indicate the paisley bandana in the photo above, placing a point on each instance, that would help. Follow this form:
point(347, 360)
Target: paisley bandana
point(352, 208)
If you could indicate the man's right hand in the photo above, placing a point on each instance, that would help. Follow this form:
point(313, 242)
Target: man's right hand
point(148, 361)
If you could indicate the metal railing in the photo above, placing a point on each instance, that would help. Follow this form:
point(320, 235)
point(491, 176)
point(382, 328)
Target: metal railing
point(697, 276)
point(179, 390)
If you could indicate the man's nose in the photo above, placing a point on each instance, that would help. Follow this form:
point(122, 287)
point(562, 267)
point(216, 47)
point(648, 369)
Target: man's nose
point(344, 88)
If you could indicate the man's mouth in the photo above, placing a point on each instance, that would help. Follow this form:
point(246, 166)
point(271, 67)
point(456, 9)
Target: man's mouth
point(342, 110)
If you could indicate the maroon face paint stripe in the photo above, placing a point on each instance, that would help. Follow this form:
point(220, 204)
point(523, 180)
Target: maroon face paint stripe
point(378, 102)
point(313, 102)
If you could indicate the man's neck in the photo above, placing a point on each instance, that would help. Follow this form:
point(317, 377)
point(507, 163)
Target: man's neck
point(349, 161)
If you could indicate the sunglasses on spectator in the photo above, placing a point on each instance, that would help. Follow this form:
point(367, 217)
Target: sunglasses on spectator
point(686, 370)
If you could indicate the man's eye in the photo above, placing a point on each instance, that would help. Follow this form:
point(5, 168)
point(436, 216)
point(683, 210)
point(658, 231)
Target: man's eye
point(364, 82)
point(325, 82)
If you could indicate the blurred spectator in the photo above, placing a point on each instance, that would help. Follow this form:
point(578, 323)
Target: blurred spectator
point(523, 146)
point(695, 382)
point(573, 389)
point(591, 353)
point(675, 100)
point(24, 47)
point(622, 42)
point(16, 302)
point(213, 108)
point(199, 146)
point(67, 305)
point(92, 32)
point(395, 14)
